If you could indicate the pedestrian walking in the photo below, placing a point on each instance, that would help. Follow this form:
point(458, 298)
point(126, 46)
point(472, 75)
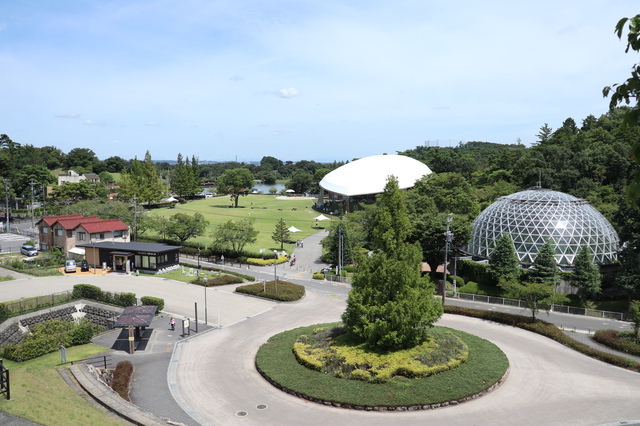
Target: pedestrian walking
point(172, 323)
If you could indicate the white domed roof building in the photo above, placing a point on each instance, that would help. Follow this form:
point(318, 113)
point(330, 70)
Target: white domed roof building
point(535, 216)
point(368, 176)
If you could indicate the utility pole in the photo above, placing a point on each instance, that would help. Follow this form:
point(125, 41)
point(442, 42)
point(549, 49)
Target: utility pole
point(135, 219)
point(6, 199)
point(448, 237)
point(340, 251)
point(32, 183)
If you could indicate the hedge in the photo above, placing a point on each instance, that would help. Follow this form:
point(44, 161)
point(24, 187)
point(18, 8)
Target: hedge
point(92, 292)
point(284, 291)
point(155, 301)
point(614, 340)
point(545, 329)
point(474, 271)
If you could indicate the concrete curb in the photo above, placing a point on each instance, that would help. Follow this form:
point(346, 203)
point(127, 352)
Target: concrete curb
point(111, 400)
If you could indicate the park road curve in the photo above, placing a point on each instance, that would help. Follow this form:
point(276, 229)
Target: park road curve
point(548, 384)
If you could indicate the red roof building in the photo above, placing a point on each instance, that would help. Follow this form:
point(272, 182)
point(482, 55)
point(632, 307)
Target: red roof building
point(65, 232)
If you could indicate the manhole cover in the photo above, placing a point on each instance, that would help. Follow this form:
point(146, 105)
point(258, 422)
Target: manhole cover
point(261, 406)
point(241, 413)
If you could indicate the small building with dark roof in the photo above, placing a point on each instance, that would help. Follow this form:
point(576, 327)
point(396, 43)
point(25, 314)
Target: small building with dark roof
point(152, 258)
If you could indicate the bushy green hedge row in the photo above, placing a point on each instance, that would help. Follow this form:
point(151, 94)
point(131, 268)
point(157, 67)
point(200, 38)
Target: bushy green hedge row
point(155, 301)
point(237, 274)
point(474, 271)
point(92, 292)
point(545, 329)
point(283, 291)
point(48, 337)
point(122, 375)
point(4, 312)
point(219, 280)
point(317, 276)
point(615, 340)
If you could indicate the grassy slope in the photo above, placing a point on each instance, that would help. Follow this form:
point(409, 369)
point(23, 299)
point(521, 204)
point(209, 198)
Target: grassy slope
point(39, 394)
point(217, 211)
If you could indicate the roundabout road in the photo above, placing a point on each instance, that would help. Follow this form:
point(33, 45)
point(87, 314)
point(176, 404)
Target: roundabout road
point(548, 383)
point(213, 377)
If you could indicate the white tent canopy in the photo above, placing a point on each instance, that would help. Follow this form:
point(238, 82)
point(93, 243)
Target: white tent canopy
point(369, 175)
point(321, 217)
point(294, 229)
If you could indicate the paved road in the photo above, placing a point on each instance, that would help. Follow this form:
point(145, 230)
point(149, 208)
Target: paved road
point(548, 383)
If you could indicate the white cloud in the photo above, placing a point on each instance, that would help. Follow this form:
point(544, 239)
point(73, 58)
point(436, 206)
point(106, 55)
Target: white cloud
point(94, 123)
point(69, 115)
point(151, 124)
point(289, 93)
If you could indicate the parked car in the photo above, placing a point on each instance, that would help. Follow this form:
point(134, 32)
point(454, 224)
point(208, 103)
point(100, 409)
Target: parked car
point(70, 266)
point(84, 266)
point(28, 250)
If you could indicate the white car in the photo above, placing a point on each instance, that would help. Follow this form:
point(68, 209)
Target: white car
point(70, 266)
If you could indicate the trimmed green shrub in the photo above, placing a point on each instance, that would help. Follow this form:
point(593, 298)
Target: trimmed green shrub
point(616, 340)
point(155, 301)
point(87, 291)
point(48, 337)
point(474, 271)
point(459, 281)
point(318, 276)
point(283, 291)
point(220, 280)
point(545, 329)
point(122, 376)
point(4, 312)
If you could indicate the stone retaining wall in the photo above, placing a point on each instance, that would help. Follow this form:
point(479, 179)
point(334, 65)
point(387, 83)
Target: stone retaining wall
point(12, 330)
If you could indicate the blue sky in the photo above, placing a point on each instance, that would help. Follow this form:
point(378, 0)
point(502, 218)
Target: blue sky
point(315, 80)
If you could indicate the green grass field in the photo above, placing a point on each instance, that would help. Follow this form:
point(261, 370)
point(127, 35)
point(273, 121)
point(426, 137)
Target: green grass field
point(266, 210)
point(39, 394)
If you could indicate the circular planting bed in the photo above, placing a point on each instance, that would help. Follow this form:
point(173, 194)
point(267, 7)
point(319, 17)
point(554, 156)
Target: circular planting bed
point(470, 367)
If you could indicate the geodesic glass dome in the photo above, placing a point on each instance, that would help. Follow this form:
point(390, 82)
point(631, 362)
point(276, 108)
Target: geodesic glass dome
point(535, 216)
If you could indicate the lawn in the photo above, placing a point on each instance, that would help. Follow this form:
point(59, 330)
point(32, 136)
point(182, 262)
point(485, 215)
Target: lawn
point(265, 209)
point(39, 394)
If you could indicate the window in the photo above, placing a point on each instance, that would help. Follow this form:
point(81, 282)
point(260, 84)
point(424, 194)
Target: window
point(102, 236)
point(45, 230)
point(82, 236)
point(58, 232)
point(117, 234)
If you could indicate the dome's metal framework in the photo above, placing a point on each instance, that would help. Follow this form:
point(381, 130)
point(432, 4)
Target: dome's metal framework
point(535, 216)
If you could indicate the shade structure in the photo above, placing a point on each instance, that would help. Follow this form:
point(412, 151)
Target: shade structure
point(535, 216)
point(369, 175)
point(294, 229)
point(290, 191)
point(321, 217)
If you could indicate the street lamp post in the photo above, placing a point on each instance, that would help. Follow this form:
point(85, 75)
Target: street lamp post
point(205, 299)
point(448, 236)
point(198, 273)
point(275, 271)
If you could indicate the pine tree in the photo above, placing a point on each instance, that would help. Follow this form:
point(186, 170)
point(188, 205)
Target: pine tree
point(391, 305)
point(545, 268)
point(281, 233)
point(181, 178)
point(503, 261)
point(586, 275)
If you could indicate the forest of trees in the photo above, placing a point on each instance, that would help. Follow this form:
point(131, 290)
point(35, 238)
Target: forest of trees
point(592, 160)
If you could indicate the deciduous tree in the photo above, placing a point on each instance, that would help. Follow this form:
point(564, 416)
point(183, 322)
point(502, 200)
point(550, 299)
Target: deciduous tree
point(236, 183)
point(234, 235)
point(183, 226)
